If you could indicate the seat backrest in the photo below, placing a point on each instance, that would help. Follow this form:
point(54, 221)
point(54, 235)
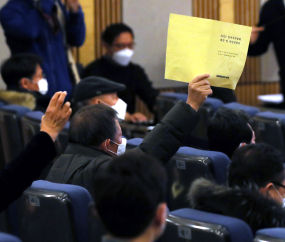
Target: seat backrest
point(269, 128)
point(8, 238)
point(11, 130)
point(31, 122)
point(187, 224)
point(132, 143)
point(165, 101)
point(270, 235)
point(251, 111)
point(54, 212)
point(189, 164)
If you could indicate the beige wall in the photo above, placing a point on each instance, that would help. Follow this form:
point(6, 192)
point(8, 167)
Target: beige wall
point(149, 20)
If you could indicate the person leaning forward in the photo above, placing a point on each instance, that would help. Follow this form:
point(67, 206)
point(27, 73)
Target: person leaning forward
point(95, 137)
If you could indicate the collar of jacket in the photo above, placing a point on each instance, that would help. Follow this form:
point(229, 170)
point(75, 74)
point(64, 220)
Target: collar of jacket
point(78, 149)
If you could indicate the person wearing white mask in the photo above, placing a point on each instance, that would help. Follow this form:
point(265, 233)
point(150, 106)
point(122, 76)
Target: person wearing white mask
point(95, 137)
point(99, 90)
point(116, 65)
point(25, 81)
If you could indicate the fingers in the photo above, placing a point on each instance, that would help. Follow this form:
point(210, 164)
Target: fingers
point(66, 107)
point(257, 29)
point(60, 100)
point(54, 99)
point(200, 77)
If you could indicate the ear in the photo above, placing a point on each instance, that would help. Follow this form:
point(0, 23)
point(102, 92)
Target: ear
point(93, 101)
point(104, 145)
point(105, 45)
point(97, 101)
point(265, 190)
point(160, 216)
point(24, 83)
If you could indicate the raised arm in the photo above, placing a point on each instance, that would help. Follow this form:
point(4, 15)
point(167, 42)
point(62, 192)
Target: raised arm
point(22, 171)
point(167, 136)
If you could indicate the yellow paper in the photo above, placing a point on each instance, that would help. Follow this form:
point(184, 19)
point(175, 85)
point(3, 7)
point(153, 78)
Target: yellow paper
point(197, 46)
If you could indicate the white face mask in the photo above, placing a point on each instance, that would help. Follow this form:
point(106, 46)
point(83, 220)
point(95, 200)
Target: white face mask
point(121, 108)
point(121, 147)
point(43, 86)
point(123, 57)
point(283, 199)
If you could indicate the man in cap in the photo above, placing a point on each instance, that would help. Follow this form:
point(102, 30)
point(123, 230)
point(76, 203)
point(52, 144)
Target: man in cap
point(98, 90)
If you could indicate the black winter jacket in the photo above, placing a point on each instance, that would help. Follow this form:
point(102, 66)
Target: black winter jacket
point(79, 164)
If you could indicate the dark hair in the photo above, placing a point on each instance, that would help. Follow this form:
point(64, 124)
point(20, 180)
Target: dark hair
point(19, 66)
point(227, 129)
point(92, 125)
point(128, 193)
point(113, 31)
point(256, 164)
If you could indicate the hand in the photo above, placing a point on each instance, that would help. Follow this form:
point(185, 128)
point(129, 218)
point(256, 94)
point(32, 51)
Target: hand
point(73, 5)
point(56, 115)
point(255, 33)
point(136, 117)
point(198, 90)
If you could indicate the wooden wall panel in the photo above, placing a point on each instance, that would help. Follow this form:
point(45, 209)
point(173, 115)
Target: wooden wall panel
point(98, 15)
point(206, 9)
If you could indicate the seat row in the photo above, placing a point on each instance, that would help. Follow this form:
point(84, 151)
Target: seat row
point(17, 126)
point(50, 212)
point(269, 126)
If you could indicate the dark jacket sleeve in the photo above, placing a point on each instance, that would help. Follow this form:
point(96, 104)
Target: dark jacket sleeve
point(23, 170)
point(167, 136)
point(264, 39)
point(21, 21)
point(75, 27)
point(144, 88)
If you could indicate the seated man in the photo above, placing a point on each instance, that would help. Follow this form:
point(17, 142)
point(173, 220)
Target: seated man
point(228, 130)
point(19, 174)
point(118, 39)
point(256, 192)
point(95, 137)
point(130, 198)
point(95, 90)
point(26, 85)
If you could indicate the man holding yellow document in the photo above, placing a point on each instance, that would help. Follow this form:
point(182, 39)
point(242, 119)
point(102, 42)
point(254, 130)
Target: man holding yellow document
point(197, 45)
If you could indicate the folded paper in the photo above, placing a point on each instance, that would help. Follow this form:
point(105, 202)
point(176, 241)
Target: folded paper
point(197, 46)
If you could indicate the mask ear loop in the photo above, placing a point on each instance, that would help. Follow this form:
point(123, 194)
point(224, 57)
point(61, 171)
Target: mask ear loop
point(278, 193)
point(108, 149)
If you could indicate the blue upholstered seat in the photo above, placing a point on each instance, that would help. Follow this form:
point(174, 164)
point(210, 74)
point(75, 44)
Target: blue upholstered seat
point(251, 111)
point(54, 212)
point(8, 238)
point(196, 226)
point(270, 235)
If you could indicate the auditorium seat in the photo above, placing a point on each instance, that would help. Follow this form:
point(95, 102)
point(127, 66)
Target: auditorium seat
point(270, 235)
point(8, 238)
point(51, 212)
point(132, 143)
point(11, 130)
point(165, 101)
point(189, 164)
point(31, 122)
point(269, 128)
point(251, 111)
point(187, 224)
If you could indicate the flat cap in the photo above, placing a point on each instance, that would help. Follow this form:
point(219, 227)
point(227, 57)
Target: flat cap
point(93, 86)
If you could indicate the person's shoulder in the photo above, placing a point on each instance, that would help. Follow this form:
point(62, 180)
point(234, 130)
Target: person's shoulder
point(93, 67)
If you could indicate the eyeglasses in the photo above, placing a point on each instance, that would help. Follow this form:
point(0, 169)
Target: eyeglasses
point(124, 46)
point(278, 184)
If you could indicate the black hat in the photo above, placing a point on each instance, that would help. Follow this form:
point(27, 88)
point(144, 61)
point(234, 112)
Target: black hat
point(93, 86)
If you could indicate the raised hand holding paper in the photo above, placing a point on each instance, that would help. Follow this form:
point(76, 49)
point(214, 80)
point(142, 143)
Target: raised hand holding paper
point(197, 45)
